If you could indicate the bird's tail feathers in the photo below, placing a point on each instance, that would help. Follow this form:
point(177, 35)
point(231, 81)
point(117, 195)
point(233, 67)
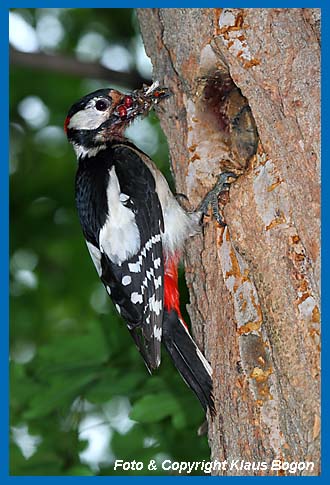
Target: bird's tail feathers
point(188, 359)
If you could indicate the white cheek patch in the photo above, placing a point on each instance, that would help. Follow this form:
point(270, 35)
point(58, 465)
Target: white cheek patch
point(88, 119)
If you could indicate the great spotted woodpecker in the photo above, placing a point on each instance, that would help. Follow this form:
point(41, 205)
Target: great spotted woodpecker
point(135, 228)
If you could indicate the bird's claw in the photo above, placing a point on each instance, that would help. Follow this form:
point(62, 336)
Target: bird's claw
point(219, 193)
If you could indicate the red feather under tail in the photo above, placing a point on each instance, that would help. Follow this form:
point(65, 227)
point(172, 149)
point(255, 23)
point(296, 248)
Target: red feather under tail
point(190, 362)
point(171, 290)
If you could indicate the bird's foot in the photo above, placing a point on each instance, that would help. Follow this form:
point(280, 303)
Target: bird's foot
point(218, 197)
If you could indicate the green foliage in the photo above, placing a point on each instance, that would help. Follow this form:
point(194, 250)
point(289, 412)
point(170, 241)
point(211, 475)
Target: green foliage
point(72, 359)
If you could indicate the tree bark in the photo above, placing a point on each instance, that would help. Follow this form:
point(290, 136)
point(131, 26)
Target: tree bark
point(254, 284)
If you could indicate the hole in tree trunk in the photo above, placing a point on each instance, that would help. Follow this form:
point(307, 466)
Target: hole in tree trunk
point(221, 107)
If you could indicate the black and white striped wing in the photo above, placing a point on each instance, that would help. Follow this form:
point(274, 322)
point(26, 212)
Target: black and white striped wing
point(130, 251)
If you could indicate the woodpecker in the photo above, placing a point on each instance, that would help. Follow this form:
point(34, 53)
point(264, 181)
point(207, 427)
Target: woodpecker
point(135, 228)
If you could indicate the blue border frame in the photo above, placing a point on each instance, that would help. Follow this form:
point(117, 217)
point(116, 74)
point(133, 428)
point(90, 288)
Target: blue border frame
point(163, 4)
point(4, 217)
point(4, 247)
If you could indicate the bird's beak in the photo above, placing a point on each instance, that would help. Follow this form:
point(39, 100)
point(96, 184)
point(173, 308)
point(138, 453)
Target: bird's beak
point(139, 102)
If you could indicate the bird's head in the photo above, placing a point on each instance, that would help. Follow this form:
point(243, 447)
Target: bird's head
point(103, 116)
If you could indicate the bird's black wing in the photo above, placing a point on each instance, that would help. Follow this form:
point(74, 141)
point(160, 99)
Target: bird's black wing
point(135, 284)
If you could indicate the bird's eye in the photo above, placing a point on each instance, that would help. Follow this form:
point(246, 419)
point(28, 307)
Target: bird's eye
point(101, 105)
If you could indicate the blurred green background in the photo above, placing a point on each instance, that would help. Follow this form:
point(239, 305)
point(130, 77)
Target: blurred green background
point(80, 394)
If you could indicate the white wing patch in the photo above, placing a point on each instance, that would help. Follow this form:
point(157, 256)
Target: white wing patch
point(158, 333)
point(134, 267)
point(126, 280)
point(123, 197)
point(96, 257)
point(137, 266)
point(155, 305)
point(119, 237)
point(158, 282)
point(136, 297)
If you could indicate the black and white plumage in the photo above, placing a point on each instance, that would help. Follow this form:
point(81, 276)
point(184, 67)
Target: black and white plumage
point(134, 229)
point(123, 235)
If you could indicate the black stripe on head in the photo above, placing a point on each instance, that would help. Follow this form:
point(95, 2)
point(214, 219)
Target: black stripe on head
point(79, 105)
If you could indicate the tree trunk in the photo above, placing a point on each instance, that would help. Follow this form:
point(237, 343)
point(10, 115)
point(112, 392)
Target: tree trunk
point(254, 284)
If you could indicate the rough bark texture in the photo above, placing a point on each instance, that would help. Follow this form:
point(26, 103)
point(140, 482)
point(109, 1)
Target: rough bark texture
point(254, 285)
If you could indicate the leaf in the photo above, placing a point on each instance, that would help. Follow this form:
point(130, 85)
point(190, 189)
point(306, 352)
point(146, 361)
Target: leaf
point(43, 462)
point(60, 393)
point(80, 470)
point(83, 349)
point(22, 387)
point(114, 383)
point(154, 408)
point(131, 446)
